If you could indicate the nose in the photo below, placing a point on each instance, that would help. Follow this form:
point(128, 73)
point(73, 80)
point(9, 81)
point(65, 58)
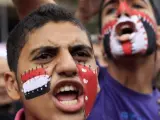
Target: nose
point(123, 9)
point(66, 66)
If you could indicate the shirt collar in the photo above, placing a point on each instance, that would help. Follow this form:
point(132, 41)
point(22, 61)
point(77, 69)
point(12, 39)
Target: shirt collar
point(20, 115)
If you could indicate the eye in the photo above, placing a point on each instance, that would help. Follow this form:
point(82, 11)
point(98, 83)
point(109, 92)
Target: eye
point(43, 57)
point(137, 6)
point(110, 11)
point(81, 55)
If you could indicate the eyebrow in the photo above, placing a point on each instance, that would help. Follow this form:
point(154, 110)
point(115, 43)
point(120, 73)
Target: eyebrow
point(80, 47)
point(109, 3)
point(43, 48)
point(145, 1)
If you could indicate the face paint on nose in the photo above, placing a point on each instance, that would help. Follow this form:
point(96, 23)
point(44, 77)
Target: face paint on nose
point(89, 80)
point(131, 32)
point(35, 82)
point(123, 8)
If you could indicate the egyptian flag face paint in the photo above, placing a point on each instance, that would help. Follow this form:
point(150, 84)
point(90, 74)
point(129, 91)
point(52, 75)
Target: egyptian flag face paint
point(89, 80)
point(35, 82)
point(129, 34)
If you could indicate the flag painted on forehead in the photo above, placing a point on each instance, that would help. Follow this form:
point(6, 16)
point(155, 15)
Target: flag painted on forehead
point(89, 80)
point(35, 83)
point(134, 32)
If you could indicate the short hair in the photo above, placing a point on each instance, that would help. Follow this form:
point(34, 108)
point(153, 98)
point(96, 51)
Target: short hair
point(39, 17)
point(153, 4)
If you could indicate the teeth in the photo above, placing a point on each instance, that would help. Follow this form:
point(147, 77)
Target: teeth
point(71, 88)
point(66, 88)
point(71, 102)
point(62, 89)
point(125, 26)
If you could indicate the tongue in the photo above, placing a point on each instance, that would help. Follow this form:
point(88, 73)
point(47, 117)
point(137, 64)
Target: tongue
point(126, 37)
point(66, 96)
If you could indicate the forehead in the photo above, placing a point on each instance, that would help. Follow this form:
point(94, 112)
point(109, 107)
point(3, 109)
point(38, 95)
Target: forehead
point(107, 2)
point(3, 65)
point(146, 1)
point(58, 34)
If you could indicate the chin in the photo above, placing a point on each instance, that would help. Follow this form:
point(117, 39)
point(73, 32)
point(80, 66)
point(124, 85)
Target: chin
point(5, 101)
point(67, 116)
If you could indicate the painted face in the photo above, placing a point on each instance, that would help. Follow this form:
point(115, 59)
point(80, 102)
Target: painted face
point(128, 28)
point(49, 76)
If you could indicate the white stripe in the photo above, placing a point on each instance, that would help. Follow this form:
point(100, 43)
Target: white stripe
point(35, 83)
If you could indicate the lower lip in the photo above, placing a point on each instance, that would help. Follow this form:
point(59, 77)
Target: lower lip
point(70, 108)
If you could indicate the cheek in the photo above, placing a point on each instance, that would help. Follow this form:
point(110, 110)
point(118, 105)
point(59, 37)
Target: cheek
point(107, 19)
point(150, 14)
point(91, 63)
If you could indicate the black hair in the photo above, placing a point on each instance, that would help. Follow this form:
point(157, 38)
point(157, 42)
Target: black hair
point(39, 17)
point(153, 4)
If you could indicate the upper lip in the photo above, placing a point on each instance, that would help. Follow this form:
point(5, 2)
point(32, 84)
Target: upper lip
point(125, 28)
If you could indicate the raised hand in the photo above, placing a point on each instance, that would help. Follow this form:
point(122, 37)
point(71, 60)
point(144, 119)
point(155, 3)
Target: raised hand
point(24, 7)
point(87, 9)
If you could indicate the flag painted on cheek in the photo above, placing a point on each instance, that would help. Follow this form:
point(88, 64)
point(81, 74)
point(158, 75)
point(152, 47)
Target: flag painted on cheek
point(89, 80)
point(35, 83)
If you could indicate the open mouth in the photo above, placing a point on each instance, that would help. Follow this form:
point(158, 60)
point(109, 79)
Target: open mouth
point(68, 96)
point(125, 31)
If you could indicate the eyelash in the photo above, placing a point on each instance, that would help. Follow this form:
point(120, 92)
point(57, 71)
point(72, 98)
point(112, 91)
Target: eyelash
point(138, 6)
point(85, 53)
point(110, 11)
point(43, 57)
point(81, 55)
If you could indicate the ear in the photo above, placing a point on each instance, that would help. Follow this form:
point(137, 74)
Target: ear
point(11, 85)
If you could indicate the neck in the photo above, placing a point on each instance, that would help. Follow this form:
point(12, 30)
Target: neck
point(134, 74)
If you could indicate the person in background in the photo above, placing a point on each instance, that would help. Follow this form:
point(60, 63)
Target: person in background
point(101, 59)
point(130, 32)
point(98, 51)
point(8, 108)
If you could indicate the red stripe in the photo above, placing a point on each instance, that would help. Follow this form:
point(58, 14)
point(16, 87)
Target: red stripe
point(143, 15)
point(127, 48)
point(90, 87)
point(109, 24)
point(33, 73)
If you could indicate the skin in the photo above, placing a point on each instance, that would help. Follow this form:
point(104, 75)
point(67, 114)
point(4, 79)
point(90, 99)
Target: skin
point(98, 55)
point(128, 71)
point(60, 63)
point(4, 98)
